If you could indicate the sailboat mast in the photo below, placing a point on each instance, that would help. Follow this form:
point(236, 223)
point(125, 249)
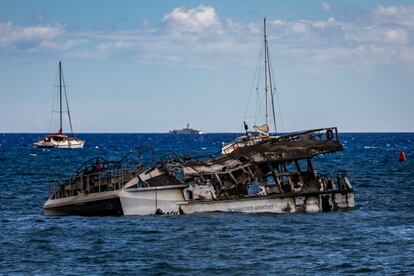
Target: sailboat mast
point(266, 72)
point(60, 95)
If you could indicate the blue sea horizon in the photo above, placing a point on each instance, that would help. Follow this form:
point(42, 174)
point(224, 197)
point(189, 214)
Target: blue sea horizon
point(376, 237)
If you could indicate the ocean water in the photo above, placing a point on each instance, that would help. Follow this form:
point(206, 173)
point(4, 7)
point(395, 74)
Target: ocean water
point(377, 237)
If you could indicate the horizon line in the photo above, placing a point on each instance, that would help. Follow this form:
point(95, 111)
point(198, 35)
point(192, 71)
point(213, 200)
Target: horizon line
point(204, 133)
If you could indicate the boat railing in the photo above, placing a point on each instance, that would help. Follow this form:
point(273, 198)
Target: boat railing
point(128, 161)
point(328, 134)
point(93, 182)
point(320, 134)
point(342, 181)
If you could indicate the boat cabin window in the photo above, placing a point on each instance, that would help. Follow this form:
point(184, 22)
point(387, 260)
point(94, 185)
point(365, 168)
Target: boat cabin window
point(290, 167)
point(162, 180)
point(303, 165)
point(57, 138)
point(270, 180)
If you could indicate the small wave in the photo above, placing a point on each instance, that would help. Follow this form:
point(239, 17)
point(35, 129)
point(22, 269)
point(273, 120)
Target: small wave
point(203, 148)
point(32, 154)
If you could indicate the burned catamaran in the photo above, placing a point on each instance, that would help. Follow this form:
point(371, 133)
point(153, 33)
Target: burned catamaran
point(276, 176)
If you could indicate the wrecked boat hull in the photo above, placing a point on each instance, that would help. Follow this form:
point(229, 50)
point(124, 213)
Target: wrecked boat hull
point(138, 201)
point(169, 201)
point(286, 203)
point(102, 204)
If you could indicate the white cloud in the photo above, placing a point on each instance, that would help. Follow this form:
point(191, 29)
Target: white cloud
point(331, 22)
point(400, 15)
point(381, 10)
point(300, 27)
point(325, 6)
point(396, 36)
point(27, 37)
point(198, 38)
point(193, 20)
point(378, 35)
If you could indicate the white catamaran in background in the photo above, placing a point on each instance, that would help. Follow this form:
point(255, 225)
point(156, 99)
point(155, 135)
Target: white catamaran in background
point(261, 132)
point(58, 139)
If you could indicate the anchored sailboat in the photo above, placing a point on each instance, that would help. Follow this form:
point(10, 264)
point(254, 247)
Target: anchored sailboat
point(261, 132)
point(58, 139)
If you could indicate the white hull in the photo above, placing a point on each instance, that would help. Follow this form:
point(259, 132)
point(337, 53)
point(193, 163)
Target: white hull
point(169, 200)
point(69, 144)
point(149, 201)
point(275, 204)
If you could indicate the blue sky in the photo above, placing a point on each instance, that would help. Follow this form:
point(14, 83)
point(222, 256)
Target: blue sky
point(151, 66)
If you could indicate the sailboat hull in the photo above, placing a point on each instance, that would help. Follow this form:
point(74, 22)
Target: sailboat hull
point(59, 141)
point(60, 145)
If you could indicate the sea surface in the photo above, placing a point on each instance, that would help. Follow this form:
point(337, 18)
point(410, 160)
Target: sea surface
point(377, 237)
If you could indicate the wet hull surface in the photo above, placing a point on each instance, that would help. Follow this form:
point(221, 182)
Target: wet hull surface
point(106, 207)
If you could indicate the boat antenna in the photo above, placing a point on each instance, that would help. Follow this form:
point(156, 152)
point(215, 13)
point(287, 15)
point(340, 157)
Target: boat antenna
point(67, 103)
point(246, 127)
point(266, 70)
point(60, 97)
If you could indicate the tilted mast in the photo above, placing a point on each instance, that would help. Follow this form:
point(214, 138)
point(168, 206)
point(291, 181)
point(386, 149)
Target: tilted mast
point(266, 72)
point(60, 97)
point(268, 82)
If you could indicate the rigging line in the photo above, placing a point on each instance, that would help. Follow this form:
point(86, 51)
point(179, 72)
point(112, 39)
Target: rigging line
point(54, 97)
point(259, 102)
point(277, 99)
point(271, 89)
point(67, 104)
point(260, 105)
point(253, 79)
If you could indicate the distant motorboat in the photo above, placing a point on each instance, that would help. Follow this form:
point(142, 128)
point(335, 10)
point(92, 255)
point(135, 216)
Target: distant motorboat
point(58, 139)
point(186, 130)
